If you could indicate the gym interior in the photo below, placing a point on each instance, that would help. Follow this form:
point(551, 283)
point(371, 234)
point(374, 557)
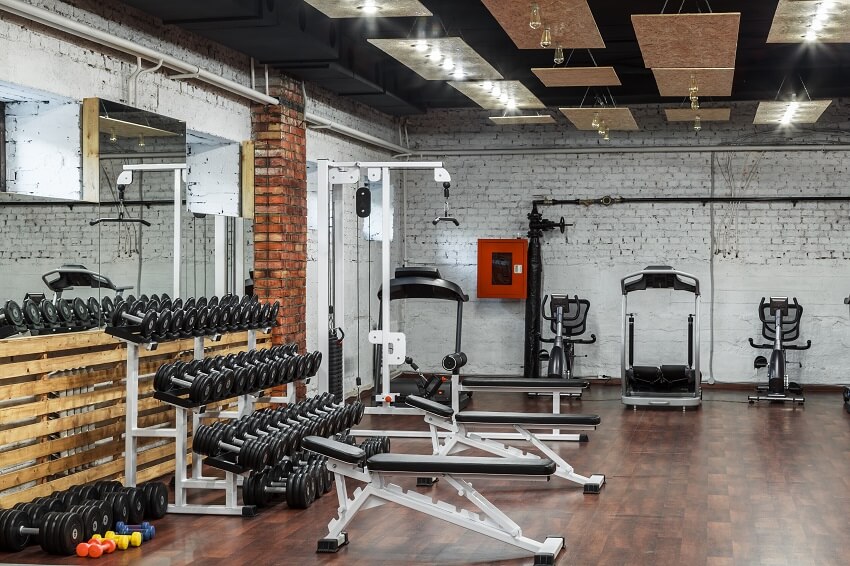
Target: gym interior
point(613, 235)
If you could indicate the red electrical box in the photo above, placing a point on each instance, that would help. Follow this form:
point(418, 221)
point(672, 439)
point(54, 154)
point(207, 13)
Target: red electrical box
point(502, 266)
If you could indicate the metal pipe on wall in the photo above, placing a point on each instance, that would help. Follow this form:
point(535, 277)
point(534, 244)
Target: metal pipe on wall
point(626, 149)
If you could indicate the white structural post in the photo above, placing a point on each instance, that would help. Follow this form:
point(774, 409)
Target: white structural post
point(323, 191)
point(220, 263)
point(178, 202)
point(339, 266)
point(386, 268)
point(239, 256)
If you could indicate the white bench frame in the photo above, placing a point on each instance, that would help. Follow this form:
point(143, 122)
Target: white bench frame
point(490, 522)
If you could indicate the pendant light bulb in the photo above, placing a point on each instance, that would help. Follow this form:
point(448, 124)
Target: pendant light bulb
point(559, 55)
point(535, 22)
point(595, 122)
point(141, 140)
point(546, 38)
point(113, 137)
point(606, 137)
point(694, 103)
point(697, 124)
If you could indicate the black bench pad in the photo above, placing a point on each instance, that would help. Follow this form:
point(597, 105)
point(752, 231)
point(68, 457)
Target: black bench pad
point(524, 382)
point(480, 417)
point(428, 405)
point(427, 465)
point(333, 449)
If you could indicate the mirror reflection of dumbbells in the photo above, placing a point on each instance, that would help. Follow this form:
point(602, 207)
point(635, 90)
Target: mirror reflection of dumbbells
point(57, 532)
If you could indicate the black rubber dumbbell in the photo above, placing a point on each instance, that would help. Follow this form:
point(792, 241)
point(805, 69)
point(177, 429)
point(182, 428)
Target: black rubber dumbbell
point(298, 488)
point(203, 387)
point(57, 532)
point(136, 314)
point(214, 440)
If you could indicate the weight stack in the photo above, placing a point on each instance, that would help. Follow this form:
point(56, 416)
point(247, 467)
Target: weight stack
point(335, 365)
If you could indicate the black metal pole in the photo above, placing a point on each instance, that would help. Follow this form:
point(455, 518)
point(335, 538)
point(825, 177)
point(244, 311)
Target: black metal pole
point(531, 364)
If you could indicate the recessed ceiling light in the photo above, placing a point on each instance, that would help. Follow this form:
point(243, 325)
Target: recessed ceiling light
point(487, 85)
point(458, 74)
point(369, 8)
point(504, 94)
point(421, 46)
point(448, 65)
point(434, 55)
point(443, 56)
point(362, 8)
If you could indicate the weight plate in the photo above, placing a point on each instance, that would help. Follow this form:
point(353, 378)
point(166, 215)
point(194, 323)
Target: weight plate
point(190, 319)
point(132, 299)
point(275, 310)
point(66, 313)
point(94, 309)
point(137, 308)
point(13, 313)
point(137, 504)
point(165, 297)
point(166, 305)
point(80, 310)
point(148, 324)
point(32, 313)
point(48, 311)
point(202, 320)
point(201, 302)
point(152, 305)
point(177, 320)
point(107, 306)
point(213, 302)
point(145, 298)
point(163, 322)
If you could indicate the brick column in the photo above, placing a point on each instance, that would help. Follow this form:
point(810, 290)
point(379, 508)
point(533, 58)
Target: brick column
point(280, 209)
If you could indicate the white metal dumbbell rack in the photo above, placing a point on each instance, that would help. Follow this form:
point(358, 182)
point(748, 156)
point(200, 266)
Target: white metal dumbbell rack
point(180, 433)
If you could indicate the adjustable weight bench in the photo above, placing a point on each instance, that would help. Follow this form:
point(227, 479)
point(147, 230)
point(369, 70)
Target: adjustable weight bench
point(347, 461)
point(438, 416)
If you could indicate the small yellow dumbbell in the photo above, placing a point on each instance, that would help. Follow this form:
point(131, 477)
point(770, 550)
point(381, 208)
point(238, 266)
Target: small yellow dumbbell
point(125, 541)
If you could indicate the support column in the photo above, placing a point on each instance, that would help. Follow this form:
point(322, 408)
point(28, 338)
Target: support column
point(280, 208)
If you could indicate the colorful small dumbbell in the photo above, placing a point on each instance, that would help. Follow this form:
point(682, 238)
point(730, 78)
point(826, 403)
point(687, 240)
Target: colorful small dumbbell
point(96, 547)
point(123, 542)
point(147, 530)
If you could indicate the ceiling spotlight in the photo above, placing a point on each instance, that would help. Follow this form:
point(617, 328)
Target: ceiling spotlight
point(448, 65)
point(504, 98)
point(141, 140)
point(369, 7)
point(788, 117)
point(511, 104)
point(497, 90)
point(113, 137)
point(595, 122)
point(546, 38)
point(559, 55)
point(421, 46)
point(487, 85)
point(458, 74)
point(697, 123)
point(434, 55)
point(811, 36)
point(534, 22)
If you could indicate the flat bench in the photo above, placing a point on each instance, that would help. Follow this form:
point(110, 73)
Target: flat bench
point(347, 461)
point(523, 383)
point(438, 416)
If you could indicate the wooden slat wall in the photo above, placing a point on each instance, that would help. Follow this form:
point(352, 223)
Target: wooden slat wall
point(62, 408)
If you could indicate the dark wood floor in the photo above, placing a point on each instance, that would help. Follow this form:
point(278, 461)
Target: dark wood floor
point(726, 484)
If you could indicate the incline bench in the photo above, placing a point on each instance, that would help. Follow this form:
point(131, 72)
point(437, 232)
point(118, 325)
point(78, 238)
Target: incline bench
point(349, 461)
point(460, 438)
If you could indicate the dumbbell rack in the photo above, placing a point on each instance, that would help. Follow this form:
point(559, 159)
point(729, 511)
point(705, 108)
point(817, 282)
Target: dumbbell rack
point(180, 432)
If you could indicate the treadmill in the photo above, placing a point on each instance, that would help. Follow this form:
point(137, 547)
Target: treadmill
point(422, 283)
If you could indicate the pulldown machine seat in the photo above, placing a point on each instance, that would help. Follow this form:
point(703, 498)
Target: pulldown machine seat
point(439, 416)
point(347, 461)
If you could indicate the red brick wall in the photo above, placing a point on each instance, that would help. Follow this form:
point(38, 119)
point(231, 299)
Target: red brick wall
point(280, 209)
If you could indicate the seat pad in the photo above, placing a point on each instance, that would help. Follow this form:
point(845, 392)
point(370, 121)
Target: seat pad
point(429, 405)
point(481, 417)
point(524, 382)
point(428, 465)
point(333, 449)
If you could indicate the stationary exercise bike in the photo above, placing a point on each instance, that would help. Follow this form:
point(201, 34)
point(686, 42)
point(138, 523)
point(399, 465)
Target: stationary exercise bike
point(780, 323)
point(568, 318)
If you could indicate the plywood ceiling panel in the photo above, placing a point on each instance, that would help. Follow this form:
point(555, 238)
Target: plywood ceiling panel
point(807, 112)
point(428, 58)
point(370, 8)
point(497, 95)
point(710, 82)
point(794, 19)
point(516, 120)
point(687, 40)
point(705, 114)
point(577, 76)
point(123, 129)
point(570, 22)
point(615, 118)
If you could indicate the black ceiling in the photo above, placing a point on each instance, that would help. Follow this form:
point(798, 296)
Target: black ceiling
point(296, 38)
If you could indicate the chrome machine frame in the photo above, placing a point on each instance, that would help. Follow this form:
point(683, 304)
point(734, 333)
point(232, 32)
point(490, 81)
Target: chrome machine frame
point(647, 398)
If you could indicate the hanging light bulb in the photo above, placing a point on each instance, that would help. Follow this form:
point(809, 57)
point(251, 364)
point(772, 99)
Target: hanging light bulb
point(595, 122)
point(694, 103)
point(113, 137)
point(559, 55)
point(697, 124)
point(546, 38)
point(605, 136)
point(534, 22)
point(141, 140)
point(603, 128)
point(693, 89)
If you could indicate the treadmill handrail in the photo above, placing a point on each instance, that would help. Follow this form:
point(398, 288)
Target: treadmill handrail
point(679, 274)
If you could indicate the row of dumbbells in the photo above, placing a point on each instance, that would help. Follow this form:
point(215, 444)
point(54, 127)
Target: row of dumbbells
point(160, 318)
point(220, 377)
point(63, 520)
point(43, 317)
point(268, 436)
point(301, 478)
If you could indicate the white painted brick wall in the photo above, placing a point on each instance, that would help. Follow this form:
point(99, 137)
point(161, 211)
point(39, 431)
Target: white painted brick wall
point(762, 249)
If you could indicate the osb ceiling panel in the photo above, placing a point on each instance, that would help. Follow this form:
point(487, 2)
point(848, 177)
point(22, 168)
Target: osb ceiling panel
point(793, 19)
point(367, 8)
point(710, 82)
point(687, 40)
point(577, 76)
point(496, 95)
point(807, 112)
point(570, 22)
point(705, 114)
point(429, 58)
point(513, 120)
point(615, 118)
